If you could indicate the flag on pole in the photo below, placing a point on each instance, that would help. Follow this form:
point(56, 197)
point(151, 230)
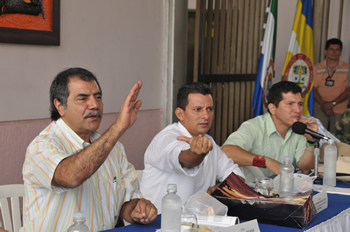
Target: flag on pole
point(298, 66)
point(265, 74)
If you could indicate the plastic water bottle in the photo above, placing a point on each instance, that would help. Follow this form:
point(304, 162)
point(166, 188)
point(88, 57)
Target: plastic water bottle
point(330, 164)
point(171, 211)
point(286, 188)
point(79, 223)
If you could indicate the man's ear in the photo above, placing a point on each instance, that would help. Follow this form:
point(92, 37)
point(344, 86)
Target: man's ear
point(59, 106)
point(179, 113)
point(272, 108)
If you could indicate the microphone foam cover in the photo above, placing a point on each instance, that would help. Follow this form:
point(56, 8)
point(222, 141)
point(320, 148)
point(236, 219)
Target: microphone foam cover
point(299, 128)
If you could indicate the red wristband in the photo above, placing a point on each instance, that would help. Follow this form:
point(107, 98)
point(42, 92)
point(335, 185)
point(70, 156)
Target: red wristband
point(259, 162)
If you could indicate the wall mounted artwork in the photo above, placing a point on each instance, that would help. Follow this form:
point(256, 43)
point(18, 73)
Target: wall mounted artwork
point(30, 22)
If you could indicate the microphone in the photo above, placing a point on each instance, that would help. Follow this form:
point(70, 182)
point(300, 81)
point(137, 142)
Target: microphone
point(301, 128)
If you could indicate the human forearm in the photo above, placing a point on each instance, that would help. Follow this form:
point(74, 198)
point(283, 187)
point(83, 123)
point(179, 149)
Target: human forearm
point(342, 97)
point(238, 155)
point(189, 159)
point(307, 161)
point(75, 169)
point(327, 106)
point(245, 158)
point(318, 98)
point(200, 146)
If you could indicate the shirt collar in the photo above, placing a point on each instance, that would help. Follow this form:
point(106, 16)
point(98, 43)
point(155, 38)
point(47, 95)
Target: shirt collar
point(67, 130)
point(324, 63)
point(332, 70)
point(271, 128)
point(184, 130)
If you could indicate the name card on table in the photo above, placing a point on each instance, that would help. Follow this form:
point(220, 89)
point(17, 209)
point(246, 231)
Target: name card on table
point(320, 201)
point(249, 226)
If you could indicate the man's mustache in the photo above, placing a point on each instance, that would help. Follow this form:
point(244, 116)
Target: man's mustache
point(94, 112)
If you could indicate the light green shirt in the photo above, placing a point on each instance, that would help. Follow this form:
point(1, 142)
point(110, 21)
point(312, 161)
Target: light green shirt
point(259, 136)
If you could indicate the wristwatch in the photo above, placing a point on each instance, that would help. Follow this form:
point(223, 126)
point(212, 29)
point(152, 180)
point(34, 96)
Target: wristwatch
point(334, 103)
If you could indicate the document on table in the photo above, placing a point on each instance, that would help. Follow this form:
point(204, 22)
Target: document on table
point(320, 201)
point(337, 190)
point(227, 224)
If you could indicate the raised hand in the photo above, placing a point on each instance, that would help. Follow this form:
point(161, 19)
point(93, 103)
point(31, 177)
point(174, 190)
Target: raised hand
point(128, 111)
point(311, 124)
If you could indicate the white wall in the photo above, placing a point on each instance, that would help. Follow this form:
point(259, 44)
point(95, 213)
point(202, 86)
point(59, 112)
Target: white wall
point(285, 20)
point(120, 41)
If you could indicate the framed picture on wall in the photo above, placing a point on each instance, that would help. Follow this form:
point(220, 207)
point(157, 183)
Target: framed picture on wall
point(30, 22)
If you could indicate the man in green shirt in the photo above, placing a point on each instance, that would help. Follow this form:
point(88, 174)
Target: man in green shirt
point(264, 140)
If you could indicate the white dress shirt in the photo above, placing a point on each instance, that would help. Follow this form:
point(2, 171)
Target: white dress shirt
point(162, 167)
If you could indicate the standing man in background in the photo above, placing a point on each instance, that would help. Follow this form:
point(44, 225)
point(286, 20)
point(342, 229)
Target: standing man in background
point(331, 85)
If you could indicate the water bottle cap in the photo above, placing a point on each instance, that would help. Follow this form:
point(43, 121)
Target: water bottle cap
point(330, 141)
point(172, 188)
point(286, 159)
point(79, 216)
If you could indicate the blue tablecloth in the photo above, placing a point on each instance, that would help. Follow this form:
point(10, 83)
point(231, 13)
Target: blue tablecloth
point(336, 204)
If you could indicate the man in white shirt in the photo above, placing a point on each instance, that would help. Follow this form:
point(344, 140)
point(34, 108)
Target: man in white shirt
point(183, 153)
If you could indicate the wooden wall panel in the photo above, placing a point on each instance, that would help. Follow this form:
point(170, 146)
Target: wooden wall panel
point(232, 31)
point(234, 36)
point(208, 37)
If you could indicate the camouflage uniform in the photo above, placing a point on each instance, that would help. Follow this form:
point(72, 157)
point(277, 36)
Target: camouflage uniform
point(341, 128)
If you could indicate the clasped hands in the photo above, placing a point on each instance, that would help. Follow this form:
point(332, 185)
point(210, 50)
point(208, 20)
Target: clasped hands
point(327, 107)
point(144, 212)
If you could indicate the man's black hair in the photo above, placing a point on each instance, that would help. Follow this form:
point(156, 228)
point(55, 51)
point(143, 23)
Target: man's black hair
point(185, 90)
point(275, 93)
point(334, 41)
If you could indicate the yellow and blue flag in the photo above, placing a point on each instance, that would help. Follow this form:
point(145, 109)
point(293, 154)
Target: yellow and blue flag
point(298, 66)
point(263, 80)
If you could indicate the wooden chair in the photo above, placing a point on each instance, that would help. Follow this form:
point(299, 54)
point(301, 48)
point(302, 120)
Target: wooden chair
point(13, 192)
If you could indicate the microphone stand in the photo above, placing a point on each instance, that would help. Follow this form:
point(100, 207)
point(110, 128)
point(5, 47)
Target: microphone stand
point(317, 154)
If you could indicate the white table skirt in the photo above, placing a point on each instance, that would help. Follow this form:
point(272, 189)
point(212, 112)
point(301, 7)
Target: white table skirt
point(339, 223)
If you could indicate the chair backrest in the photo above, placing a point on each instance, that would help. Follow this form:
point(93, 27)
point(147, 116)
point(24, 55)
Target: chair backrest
point(139, 175)
point(14, 192)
